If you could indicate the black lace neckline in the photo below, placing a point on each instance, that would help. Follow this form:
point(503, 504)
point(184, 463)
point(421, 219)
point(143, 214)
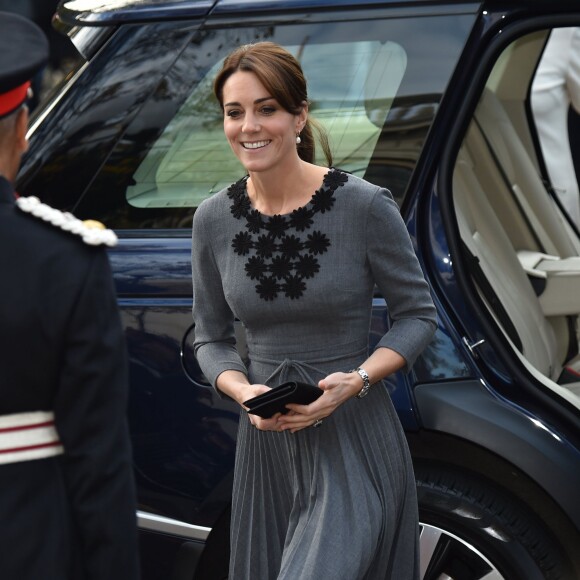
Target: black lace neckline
point(279, 260)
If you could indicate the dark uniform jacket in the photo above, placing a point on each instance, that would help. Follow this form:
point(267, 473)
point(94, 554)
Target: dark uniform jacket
point(70, 516)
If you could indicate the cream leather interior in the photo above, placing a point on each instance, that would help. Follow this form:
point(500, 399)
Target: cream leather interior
point(498, 140)
point(516, 230)
point(547, 246)
point(486, 239)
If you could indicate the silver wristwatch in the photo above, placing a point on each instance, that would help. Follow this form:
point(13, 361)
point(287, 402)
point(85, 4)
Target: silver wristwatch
point(366, 382)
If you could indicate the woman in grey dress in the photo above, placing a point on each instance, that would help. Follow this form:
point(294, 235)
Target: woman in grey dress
point(293, 250)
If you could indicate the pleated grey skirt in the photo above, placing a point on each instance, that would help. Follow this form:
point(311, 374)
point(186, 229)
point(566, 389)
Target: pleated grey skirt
point(336, 502)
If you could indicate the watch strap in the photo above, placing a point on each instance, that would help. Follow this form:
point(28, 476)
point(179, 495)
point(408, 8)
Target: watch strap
point(366, 382)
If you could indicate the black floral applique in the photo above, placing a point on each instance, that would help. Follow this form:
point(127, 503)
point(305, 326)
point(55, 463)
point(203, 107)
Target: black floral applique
point(294, 286)
point(291, 246)
point(281, 266)
point(335, 179)
point(240, 202)
point(282, 260)
point(242, 243)
point(265, 246)
point(323, 200)
point(317, 243)
point(307, 266)
point(255, 222)
point(237, 189)
point(301, 218)
point(277, 226)
point(256, 267)
point(267, 288)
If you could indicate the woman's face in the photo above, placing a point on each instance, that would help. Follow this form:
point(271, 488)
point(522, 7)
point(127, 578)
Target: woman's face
point(260, 132)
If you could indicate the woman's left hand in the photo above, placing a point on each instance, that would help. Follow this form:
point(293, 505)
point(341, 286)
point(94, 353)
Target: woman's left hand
point(337, 387)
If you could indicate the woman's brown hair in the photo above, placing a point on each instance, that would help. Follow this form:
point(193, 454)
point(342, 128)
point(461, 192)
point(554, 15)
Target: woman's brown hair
point(282, 76)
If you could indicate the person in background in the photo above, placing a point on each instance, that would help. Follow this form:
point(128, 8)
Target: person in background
point(67, 494)
point(294, 250)
point(556, 88)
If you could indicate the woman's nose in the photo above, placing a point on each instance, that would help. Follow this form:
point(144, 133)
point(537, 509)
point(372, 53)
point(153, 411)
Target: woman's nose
point(251, 124)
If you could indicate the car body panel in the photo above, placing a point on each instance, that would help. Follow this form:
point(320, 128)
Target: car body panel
point(530, 445)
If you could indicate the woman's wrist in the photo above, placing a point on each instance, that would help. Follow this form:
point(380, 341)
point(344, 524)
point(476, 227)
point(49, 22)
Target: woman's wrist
point(356, 382)
point(362, 382)
point(242, 392)
point(235, 385)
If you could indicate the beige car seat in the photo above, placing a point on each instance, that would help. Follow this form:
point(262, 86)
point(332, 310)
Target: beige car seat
point(486, 239)
point(514, 186)
point(547, 246)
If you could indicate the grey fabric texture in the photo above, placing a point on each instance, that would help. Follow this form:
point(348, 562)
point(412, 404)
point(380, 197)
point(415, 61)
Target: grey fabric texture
point(337, 501)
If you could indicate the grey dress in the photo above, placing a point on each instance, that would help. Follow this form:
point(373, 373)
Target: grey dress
point(337, 501)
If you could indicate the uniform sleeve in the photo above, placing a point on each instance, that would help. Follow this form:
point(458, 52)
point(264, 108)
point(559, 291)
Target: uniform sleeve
point(398, 275)
point(90, 412)
point(215, 342)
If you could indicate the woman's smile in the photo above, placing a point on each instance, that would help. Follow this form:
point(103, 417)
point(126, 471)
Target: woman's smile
point(255, 144)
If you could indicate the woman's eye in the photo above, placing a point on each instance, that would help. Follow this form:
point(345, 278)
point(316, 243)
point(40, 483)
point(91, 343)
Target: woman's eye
point(233, 113)
point(268, 110)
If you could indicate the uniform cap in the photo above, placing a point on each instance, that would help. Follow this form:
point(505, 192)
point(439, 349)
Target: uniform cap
point(23, 52)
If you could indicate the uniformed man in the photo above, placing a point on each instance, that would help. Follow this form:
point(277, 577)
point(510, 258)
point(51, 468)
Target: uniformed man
point(67, 498)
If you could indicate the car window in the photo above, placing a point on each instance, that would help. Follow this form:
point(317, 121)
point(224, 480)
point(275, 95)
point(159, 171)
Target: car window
point(351, 87)
point(374, 84)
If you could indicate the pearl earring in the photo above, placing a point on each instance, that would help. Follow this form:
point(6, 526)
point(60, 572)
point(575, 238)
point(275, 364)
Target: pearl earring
point(298, 140)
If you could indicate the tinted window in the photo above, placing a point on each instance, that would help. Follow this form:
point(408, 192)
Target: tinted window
point(374, 84)
point(351, 87)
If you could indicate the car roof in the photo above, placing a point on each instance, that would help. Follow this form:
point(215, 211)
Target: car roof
point(107, 12)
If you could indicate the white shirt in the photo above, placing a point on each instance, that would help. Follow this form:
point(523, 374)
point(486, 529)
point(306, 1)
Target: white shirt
point(556, 86)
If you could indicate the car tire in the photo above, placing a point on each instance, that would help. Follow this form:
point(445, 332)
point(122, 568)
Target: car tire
point(473, 529)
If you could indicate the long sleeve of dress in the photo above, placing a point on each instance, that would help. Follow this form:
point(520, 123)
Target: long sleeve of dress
point(215, 342)
point(400, 279)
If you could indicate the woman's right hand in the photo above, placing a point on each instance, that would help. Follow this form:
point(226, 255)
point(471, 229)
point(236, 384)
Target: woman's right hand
point(236, 385)
point(270, 424)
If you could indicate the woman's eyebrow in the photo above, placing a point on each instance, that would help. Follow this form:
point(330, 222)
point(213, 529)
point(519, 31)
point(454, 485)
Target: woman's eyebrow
point(256, 102)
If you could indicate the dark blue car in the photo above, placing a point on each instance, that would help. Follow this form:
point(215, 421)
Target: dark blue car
point(431, 99)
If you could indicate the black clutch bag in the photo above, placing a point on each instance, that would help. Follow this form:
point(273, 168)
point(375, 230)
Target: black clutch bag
point(275, 400)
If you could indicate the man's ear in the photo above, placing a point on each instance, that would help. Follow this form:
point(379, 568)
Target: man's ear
point(21, 128)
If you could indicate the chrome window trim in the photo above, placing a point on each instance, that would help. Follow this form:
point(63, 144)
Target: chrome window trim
point(88, 40)
point(52, 104)
point(162, 524)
